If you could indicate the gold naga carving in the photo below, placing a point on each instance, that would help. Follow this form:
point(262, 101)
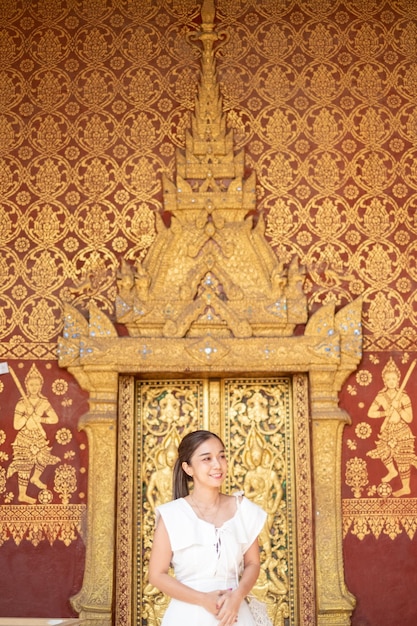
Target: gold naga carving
point(212, 297)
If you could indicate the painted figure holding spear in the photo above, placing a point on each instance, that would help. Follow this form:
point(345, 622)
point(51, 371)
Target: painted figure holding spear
point(31, 449)
point(395, 444)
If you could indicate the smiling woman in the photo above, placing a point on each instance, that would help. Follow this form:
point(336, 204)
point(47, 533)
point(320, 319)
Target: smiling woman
point(210, 538)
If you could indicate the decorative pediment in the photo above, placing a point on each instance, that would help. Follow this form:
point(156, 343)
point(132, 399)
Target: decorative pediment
point(210, 283)
point(210, 280)
point(212, 263)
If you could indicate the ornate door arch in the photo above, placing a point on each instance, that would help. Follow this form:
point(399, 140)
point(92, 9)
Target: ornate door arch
point(326, 354)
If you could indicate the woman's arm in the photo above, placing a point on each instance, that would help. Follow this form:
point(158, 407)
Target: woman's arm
point(252, 566)
point(159, 563)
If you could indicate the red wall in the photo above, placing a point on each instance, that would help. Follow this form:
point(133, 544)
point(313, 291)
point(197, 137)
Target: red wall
point(94, 99)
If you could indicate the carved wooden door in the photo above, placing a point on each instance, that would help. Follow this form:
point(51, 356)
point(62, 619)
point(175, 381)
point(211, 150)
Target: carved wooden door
point(264, 425)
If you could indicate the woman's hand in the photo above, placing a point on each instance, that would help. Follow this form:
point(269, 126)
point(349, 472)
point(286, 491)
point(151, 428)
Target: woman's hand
point(212, 601)
point(230, 603)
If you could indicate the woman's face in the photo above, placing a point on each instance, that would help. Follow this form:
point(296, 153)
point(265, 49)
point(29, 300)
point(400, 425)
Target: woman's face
point(208, 464)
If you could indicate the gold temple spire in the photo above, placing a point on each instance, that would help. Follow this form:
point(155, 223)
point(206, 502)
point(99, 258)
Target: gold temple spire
point(208, 13)
point(212, 264)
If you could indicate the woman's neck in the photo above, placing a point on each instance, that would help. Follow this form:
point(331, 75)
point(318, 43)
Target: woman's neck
point(206, 505)
point(206, 498)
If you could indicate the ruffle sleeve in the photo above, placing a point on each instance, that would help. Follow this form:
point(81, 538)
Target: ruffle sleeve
point(183, 527)
point(249, 522)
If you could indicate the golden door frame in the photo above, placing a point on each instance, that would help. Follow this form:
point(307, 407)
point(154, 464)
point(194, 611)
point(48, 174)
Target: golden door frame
point(215, 403)
point(328, 352)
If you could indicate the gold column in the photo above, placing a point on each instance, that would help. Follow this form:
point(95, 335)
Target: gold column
point(94, 600)
point(334, 602)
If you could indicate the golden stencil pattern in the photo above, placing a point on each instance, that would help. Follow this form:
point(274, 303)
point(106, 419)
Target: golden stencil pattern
point(42, 471)
point(380, 459)
point(368, 517)
point(50, 522)
point(95, 96)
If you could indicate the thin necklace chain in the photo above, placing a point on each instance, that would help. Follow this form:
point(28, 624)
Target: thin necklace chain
point(210, 519)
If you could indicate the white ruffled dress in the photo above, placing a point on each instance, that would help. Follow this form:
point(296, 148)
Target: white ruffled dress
point(208, 558)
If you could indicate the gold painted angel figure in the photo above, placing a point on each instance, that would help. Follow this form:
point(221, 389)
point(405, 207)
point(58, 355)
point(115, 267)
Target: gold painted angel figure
point(395, 443)
point(31, 449)
point(261, 484)
point(160, 482)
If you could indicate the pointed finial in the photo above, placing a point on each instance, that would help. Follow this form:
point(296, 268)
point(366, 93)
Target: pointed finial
point(208, 12)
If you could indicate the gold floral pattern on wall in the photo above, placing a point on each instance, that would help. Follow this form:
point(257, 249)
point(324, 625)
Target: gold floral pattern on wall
point(96, 97)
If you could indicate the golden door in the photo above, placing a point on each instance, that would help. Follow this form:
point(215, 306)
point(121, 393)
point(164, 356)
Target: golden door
point(264, 425)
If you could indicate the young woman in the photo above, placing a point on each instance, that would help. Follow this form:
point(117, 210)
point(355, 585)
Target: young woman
point(209, 538)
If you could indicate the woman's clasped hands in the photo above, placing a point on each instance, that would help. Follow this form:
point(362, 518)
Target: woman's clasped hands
point(227, 603)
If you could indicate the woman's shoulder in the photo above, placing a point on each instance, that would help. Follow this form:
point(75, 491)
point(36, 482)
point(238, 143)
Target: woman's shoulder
point(171, 506)
point(173, 512)
point(249, 519)
point(245, 503)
